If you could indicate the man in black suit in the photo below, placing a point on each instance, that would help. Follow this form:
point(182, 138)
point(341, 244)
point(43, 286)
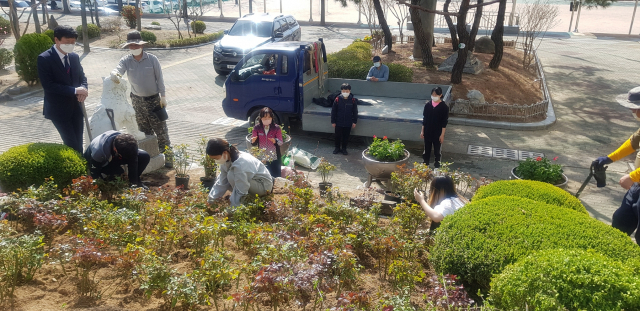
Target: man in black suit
point(65, 87)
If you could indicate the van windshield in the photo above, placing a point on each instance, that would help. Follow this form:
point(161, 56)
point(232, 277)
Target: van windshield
point(250, 28)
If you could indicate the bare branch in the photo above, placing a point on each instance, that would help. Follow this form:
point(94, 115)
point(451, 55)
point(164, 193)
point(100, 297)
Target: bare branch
point(483, 4)
point(417, 7)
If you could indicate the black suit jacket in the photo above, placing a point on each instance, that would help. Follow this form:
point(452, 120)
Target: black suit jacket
point(60, 101)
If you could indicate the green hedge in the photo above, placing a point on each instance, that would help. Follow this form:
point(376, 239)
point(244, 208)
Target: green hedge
point(566, 280)
point(190, 41)
point(486, 235)
point(26, 53)
point(354, 62)
point(198, 26)
point(6, 57)
point(26, 165)
point(92, 30)
point(49, 33)
point(5, 25)
point(534, 190)
point(148, 36)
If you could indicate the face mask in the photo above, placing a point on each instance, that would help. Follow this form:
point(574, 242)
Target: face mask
point(377, 64)
point(222, 160)
point(67, 48)
point(266, 122)
point(435, 98)
point(136, 52)
point(345, 94)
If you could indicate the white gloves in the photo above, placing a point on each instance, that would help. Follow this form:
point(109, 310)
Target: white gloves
point(163, 102)
point(115, 76)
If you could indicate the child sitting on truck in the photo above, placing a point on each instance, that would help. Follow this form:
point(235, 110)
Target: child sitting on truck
point(344, 116)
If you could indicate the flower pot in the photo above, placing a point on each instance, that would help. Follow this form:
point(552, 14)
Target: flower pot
point(283, 149)
point(182, 181)
point(207, 182)
point(323, 187)
point(381, 170)
point(562, 185)
point(393, 197)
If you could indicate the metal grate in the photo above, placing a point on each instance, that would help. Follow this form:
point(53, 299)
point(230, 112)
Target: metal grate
point(505, 153)
point(480, 150)
point(230, 122)
point(529, 154)
point(502, 153)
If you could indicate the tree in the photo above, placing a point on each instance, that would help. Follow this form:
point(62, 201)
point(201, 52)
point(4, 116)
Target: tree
point(139, 15)
point(388, 40)
point(463, 36)
point(420, 36)
point(66, 10)
point(476, 24)
point(400, 12)
point(119, 6)
point(85, 31)
point(36, 21)
point(452, 29)
point(497, 36)
point(322, 12)
point(535, 20)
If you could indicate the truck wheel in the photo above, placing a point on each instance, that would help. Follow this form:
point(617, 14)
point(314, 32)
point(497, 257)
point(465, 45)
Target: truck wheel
point(276, 119)
point(220, 72)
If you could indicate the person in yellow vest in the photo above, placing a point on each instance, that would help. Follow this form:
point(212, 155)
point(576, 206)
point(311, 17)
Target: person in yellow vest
point(627, 217)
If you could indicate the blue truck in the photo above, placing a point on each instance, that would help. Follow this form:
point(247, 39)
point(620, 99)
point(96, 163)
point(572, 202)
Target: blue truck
point(287, 76)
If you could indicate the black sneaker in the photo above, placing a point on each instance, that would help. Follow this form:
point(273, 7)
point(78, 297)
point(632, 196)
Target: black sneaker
point(344, 151)
point(437, 164)
point(336, 151)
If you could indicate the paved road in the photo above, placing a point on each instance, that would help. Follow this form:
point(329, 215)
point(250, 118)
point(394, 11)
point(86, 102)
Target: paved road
point(584, 75)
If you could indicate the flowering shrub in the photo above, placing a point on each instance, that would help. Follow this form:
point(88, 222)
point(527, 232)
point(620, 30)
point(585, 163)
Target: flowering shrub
point(129, 14)
point(385, 151)
point(540, 169)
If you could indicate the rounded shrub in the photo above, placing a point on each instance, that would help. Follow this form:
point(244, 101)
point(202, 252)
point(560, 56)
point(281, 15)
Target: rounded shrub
point(198, 26)
point(6, 57)
point(5, 26)
point(486, 235)
point(129, 14)
point(534, 190)
point(155, 23)
point(92, 30)
point(400, 73)
point(49, 32)
point(566, 280)
point(26, 53)
point(26, 165)
point(148, 36)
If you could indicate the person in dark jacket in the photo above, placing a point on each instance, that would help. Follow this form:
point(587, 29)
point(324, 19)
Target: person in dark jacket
point(344, 116)
point(65, 86)
point(109, 151)
point(434, 123)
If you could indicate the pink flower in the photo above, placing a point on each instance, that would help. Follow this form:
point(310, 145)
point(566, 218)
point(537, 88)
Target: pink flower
point(384, 137)
point(538, 159)
point(556, 158)
point(374, 136)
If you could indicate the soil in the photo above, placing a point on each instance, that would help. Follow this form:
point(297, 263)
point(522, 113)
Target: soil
point(511, 83)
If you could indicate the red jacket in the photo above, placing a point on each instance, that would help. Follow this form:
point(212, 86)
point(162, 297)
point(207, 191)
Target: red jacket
point(263, 142)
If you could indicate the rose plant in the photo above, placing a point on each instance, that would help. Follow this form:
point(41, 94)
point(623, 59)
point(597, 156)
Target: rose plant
point(386, 151)
point(540, 169)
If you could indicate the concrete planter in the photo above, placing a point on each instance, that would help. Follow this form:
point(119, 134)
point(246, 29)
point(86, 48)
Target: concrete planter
point(381, 170)
point(562, 185)
point(283, 149)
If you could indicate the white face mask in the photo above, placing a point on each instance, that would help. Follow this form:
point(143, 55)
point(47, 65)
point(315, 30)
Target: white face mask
point(67, 48)
point(345, 94)
point(136, 52)
point(435, 98)
point(376, 64)
point(222, 160)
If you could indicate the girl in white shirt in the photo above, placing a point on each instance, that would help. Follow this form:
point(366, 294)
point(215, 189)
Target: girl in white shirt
point(443, 200)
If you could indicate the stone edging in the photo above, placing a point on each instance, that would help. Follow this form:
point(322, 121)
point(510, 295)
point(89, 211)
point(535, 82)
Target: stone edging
point(541, 125)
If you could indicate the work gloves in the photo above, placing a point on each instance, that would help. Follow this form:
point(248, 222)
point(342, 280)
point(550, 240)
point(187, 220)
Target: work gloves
point(115, 76)
point(163, 102)
point(602, 161)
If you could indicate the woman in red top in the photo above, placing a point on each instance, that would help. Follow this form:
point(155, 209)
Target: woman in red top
point(267, 135)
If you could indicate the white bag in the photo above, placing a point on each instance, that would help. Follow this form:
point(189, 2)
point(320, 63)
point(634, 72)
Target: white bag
point(304, 158)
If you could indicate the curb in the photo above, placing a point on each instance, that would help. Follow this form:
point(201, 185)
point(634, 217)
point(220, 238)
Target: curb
point(157, 49)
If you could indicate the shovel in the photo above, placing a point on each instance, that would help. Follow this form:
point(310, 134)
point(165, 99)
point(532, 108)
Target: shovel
point(86, 121)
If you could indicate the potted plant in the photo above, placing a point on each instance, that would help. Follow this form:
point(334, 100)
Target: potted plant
point(182, 164)
point(326, 171)
point(383, 157)
point(541, 169)
point(285, 137)
point(209, 165)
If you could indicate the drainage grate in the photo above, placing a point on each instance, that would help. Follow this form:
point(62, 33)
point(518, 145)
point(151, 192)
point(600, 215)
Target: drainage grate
point(230, 122)
point(502, 153)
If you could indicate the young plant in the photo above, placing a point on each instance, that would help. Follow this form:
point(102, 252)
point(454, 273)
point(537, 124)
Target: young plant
point(210, 167)
point(385, 151)
point(326, 170)
point(20, 259)
point(445, 292)
point(90, 255)
point(540, 169)
point(410, 217)
point(186, 290)
point(405, 274)
point(273, 280)
point(263, 155)
point(345, 269)
point(405, 180)
point(182, 159)
point(49, 224)
point(214, 271)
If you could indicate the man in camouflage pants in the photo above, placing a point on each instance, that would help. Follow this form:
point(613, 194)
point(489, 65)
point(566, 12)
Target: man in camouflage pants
point(147, 90)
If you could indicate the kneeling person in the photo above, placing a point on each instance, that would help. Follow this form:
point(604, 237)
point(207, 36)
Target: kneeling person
point(109, 151)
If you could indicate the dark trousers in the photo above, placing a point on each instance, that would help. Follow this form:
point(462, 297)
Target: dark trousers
point(626, 217)
point(114, 168)
point(71, 130)
point(437, 152)
point(342, 137)
point(275, 168)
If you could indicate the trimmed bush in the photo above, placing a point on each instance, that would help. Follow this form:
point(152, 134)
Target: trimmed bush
point(566, 280)
point(148, 36)
point(49, 33)
point(155, 23)
point(486, 235)
point(198, 26)
point(6, 57)
point(92, 30)
point(354, 62)
point(400, 73)
point(26, 53)
point(26, 165)
point(534, 190)
point(191, 41)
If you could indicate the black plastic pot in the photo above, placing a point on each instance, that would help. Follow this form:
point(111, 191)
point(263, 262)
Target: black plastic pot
point(323, 187)
point(208, 182)
point(391, 196)
point(182, 181)
point(161, 113)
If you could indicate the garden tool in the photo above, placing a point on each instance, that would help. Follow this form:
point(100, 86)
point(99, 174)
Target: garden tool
point(110, 115)
point(599, 173)
point(86, 120)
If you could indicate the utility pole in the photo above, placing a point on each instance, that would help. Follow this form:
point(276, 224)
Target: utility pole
point(359, 12)
point(138, 15)
point(239, 8)
point(513, 12)
point(250, 6)
point(578, 17)
point(633, 16)
point(572, 7)
point(310, 10)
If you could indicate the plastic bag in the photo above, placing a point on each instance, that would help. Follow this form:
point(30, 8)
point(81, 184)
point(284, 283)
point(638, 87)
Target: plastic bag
point(304, 158)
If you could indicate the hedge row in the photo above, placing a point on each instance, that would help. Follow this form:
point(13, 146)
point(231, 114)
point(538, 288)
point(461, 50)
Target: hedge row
point(566, 280)
point(485, 236)
point(354, 62)
point(189, 41)
point(534, 190)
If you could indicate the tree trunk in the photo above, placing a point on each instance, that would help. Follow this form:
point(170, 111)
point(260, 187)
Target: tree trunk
point(36, 21)
point(497, 36)
point(65, 6)
point(388, 40)
point(139, 16)
point(452, 29)
point(250, 6)
point(45, 14)
point(120, 6)
point(14, 21)
point(90, 10)
point(85, 32)
point(425, 48)
point(97, 14)
point(476, 24)
point(463, 36)
point(427, 19)
point(322, 12)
